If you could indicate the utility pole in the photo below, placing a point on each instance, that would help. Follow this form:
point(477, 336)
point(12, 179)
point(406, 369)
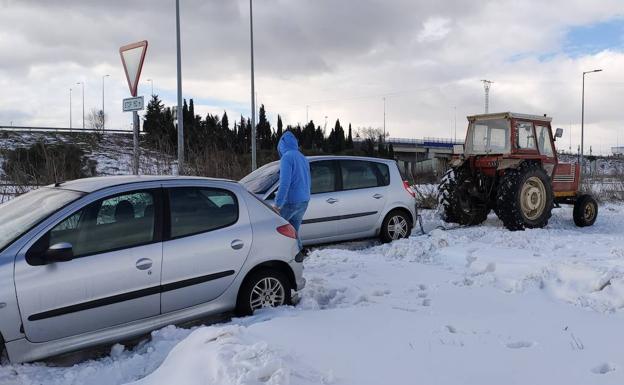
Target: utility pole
point(486, 85)
point(180, 118)
point(152, 83)
point(103, 115)
point(307, 108)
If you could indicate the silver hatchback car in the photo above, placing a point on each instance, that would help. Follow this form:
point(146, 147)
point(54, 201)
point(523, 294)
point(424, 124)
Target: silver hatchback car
point(352, 198)
point(99, 260)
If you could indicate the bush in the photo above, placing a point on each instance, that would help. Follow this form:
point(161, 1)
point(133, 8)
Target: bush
point(42, 164)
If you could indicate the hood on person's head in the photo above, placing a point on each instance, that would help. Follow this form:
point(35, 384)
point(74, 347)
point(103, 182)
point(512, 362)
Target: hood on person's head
point(287, 142)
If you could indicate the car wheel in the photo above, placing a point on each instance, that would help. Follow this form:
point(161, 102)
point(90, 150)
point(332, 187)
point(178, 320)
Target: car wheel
point(395, 226)
point(262, 289)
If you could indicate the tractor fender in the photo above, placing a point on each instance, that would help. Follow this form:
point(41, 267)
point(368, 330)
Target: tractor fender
point(505, 164)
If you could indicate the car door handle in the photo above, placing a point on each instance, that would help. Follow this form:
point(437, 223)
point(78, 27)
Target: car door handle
point(377, 196)
point(143, 263)
point(331, 201)
point(237, 244)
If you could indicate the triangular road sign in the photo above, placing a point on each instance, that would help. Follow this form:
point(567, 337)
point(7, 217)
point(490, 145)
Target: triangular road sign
point(132, 57)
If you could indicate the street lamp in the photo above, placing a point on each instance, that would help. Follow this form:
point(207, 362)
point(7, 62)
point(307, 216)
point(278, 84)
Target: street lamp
point(103, 116)
point(179, 73)
point(253, 103)
point(583, 121)
point(83, 115)
point(152, 83)
point(70, 109)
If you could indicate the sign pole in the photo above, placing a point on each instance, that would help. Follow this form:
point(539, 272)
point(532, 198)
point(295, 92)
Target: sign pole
point(135, 140)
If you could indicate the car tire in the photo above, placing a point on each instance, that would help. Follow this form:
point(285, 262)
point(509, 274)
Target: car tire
point(389, 231)
point(585, 211)
point(263, 288)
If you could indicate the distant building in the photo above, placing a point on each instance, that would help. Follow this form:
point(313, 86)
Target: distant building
point(617, 150)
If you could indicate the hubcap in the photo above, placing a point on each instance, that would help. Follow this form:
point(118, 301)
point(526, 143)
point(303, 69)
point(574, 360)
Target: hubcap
point(589, 212)
point(533, 198)
point(268, 292)
point(397, 227)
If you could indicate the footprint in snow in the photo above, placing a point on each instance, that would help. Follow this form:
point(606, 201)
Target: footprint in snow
point(519, 344)
point(603, 368)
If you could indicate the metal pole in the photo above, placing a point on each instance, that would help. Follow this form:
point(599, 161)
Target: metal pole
point(135, 141)
point(307, 107)
point(103, 115)
point(384, 130)
point(70, 110)
point(582, 154)
point(83, 105)
point(455, 115)
point(152, 83)
point(253, 91)
point(180, 120)
point(582, 128)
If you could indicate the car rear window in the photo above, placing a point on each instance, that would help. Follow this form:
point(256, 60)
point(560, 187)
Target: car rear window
point(261, 180)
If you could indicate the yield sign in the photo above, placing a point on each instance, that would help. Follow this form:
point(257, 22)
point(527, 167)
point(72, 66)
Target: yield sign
point(132, 57)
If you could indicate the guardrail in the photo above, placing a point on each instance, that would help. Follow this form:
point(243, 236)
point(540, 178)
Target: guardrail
point(63, 129)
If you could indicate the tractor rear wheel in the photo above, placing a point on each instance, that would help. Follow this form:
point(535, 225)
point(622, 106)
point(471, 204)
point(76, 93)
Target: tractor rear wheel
point(524, 198)
point(458, 204)
point(585, 211)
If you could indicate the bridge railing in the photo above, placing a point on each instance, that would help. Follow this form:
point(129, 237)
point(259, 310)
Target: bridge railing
point(425, 141)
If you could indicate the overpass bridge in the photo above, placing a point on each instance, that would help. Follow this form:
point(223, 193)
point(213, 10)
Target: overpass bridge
point(427, 156)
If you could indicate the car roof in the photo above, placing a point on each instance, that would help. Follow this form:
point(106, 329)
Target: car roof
point(89, 185)
point(348, 157)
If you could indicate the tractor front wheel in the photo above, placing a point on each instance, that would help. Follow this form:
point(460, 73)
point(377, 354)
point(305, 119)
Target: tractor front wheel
point(585, 211)
point(524, 198)
point(457, 198)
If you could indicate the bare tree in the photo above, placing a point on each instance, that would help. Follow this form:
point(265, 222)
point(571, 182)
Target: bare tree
point(96, 120)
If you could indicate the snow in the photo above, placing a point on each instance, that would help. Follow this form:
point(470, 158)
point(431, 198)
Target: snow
point(477, 305)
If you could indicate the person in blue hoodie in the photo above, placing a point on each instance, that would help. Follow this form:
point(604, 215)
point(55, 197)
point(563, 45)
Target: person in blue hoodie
point(293, 193)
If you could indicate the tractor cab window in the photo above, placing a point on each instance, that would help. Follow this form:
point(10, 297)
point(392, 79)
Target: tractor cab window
point(543, 141)
point(525, 138)
point(488, 137)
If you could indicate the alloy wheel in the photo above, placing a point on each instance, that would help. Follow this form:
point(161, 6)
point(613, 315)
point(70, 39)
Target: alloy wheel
point(397, 227)
point(268, 292)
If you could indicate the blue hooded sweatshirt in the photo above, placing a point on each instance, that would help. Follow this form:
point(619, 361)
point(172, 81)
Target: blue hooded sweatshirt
point(294, 182)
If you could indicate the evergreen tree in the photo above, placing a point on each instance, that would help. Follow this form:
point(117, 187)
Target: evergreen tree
point(390, 151)
point(279, 127)
point(349, 143)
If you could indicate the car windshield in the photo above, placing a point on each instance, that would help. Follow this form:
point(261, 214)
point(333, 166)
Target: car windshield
point(261, 180)
point(488, 136)
point(19, 215)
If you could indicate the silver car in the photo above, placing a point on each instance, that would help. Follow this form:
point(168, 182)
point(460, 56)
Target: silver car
point(352, 198)
point(99, 260)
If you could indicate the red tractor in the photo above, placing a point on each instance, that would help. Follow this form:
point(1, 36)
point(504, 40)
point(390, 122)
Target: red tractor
point(509, 165)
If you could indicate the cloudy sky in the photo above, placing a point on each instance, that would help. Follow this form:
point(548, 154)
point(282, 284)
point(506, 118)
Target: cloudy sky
point(339, 57)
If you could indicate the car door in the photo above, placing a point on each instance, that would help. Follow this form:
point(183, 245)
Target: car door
point(207, 241)
point(363, 195)
point(319, 221)
point(113, 278)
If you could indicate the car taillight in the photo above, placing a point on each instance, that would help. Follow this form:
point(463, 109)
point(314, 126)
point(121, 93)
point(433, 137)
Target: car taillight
point(287, 231)
point(409, 189)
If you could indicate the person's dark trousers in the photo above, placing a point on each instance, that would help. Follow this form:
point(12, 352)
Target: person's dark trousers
point(293, 213)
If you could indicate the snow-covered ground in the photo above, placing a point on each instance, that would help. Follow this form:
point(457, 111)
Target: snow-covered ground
point(477, 305)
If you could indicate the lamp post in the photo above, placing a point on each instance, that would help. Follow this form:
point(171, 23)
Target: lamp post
point(103, 115)
point(152, 83)
point(83, 115)
point(253, 91)
point(179, 113)
point(70, 109)
point(582, 154)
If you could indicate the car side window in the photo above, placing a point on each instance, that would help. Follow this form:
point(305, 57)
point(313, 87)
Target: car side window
point(196, 210)
point(358, 174)
point(543, 141)
point(114, 223)
point(525, 138)
point(323, 175)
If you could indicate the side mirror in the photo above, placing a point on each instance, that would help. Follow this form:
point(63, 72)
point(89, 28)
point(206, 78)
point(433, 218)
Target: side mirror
point(558, 133)
point(59, 252)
